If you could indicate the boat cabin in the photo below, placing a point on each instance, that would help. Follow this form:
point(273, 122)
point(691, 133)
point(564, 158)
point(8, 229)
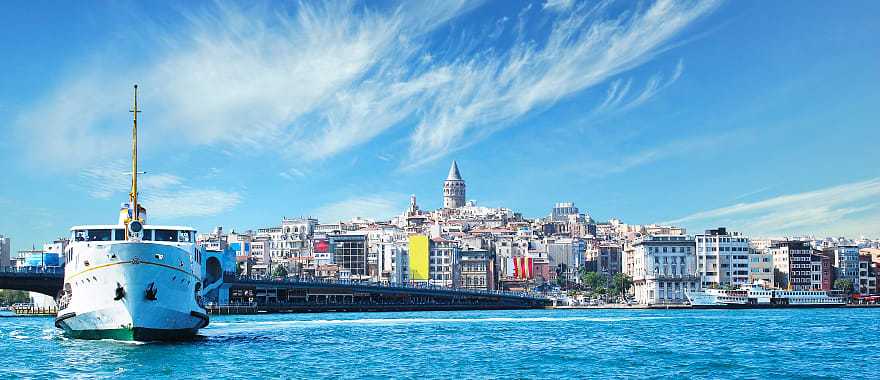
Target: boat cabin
point(109, 233)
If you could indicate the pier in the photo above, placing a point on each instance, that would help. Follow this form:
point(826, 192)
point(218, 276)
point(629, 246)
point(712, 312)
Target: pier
point(34, 310)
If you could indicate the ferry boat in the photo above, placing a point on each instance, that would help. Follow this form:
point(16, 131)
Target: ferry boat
point(132, 280)
point(756, 295)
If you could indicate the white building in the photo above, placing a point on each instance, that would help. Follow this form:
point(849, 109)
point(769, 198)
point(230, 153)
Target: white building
point(761, 267)
point(663, 268)
point(399, 261)
point(441, 259)
point(722, 258)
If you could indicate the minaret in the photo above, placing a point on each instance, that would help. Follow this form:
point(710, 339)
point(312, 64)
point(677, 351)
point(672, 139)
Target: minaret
point(453, 188)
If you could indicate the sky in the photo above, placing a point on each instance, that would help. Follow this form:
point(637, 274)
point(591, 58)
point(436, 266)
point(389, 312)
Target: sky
point(759, 116)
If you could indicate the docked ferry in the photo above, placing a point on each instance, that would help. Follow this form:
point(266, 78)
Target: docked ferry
point(757, 295)
point(132, 280)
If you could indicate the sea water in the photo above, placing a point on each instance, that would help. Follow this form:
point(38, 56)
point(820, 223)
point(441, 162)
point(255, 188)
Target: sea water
point(553, 344)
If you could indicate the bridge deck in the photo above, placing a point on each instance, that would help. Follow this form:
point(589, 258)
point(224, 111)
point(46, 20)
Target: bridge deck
point(291, 294)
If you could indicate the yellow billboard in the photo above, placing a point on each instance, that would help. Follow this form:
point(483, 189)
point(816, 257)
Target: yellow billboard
point(418, 258)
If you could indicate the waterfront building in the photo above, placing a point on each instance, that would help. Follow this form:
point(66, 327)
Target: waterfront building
point(474, 270)
point(792, 264)
point(36, 258)
point(566, 256)
point(453, 188)
point(5, 251)
point(53, 253)
point(846, 263)
point(381, 240)
point(761, 267)
point(821, 271)
point(867, 277)
point(506, 249)
point(663, 268)
point(349, 252)
point(441, 260)
point(541, 270)
point(400, 270)
point(387, 250)
point(606, 258)
point(327, 272)
point(240, 246)
point(260, 255)
point(722, 258)
point(321, 250)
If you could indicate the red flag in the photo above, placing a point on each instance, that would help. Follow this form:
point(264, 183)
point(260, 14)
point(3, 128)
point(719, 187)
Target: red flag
point(515, 267)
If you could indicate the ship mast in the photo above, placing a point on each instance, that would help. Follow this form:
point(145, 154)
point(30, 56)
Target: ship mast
point(133, 196)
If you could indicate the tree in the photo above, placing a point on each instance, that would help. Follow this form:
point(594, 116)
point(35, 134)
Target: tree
point(561, 280)
point(9, 297)
point(279, 271)
point(594, 280)
point(846, 286)
point(621, 283)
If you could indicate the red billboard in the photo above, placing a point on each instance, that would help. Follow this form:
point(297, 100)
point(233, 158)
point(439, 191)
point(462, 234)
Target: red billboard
point(322, 246)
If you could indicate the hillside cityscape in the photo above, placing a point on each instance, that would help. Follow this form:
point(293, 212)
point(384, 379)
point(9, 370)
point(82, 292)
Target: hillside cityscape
point(467, 246)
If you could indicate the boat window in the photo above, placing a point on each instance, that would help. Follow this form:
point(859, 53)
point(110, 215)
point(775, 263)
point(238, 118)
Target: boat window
point(148, 235)
point(183, 236)
point(119, 234)
point(166, 235)
point(80, 235)
point(99, 235)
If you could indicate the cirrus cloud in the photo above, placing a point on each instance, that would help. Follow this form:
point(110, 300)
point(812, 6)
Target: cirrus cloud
point(314, 80)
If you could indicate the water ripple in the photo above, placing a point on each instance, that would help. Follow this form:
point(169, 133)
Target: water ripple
point(614, 344)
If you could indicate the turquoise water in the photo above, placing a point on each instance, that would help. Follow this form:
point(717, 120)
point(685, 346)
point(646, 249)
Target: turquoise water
point(804, 344)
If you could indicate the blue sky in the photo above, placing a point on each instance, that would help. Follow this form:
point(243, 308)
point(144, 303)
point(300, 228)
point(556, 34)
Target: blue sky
point(755, 115)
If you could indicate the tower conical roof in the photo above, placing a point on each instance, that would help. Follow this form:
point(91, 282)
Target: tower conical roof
point(454, 175)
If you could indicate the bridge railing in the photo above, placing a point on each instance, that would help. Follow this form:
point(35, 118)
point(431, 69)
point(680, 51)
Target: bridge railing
point(33, 270)
point(413, 285)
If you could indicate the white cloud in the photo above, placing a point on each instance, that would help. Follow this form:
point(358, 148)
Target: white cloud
point(165, 196)
point(655, 85)
point(582, 50)
point(292, 173)
point(113, 178)
point(558, 5)
point(188, 202)
point(376, 207)
point(849, 209)
point(318, 80)
point(675, 148)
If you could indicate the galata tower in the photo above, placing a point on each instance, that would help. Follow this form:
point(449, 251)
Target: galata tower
point(453, 188)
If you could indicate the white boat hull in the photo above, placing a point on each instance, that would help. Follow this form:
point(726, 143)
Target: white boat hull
point(95, 309)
